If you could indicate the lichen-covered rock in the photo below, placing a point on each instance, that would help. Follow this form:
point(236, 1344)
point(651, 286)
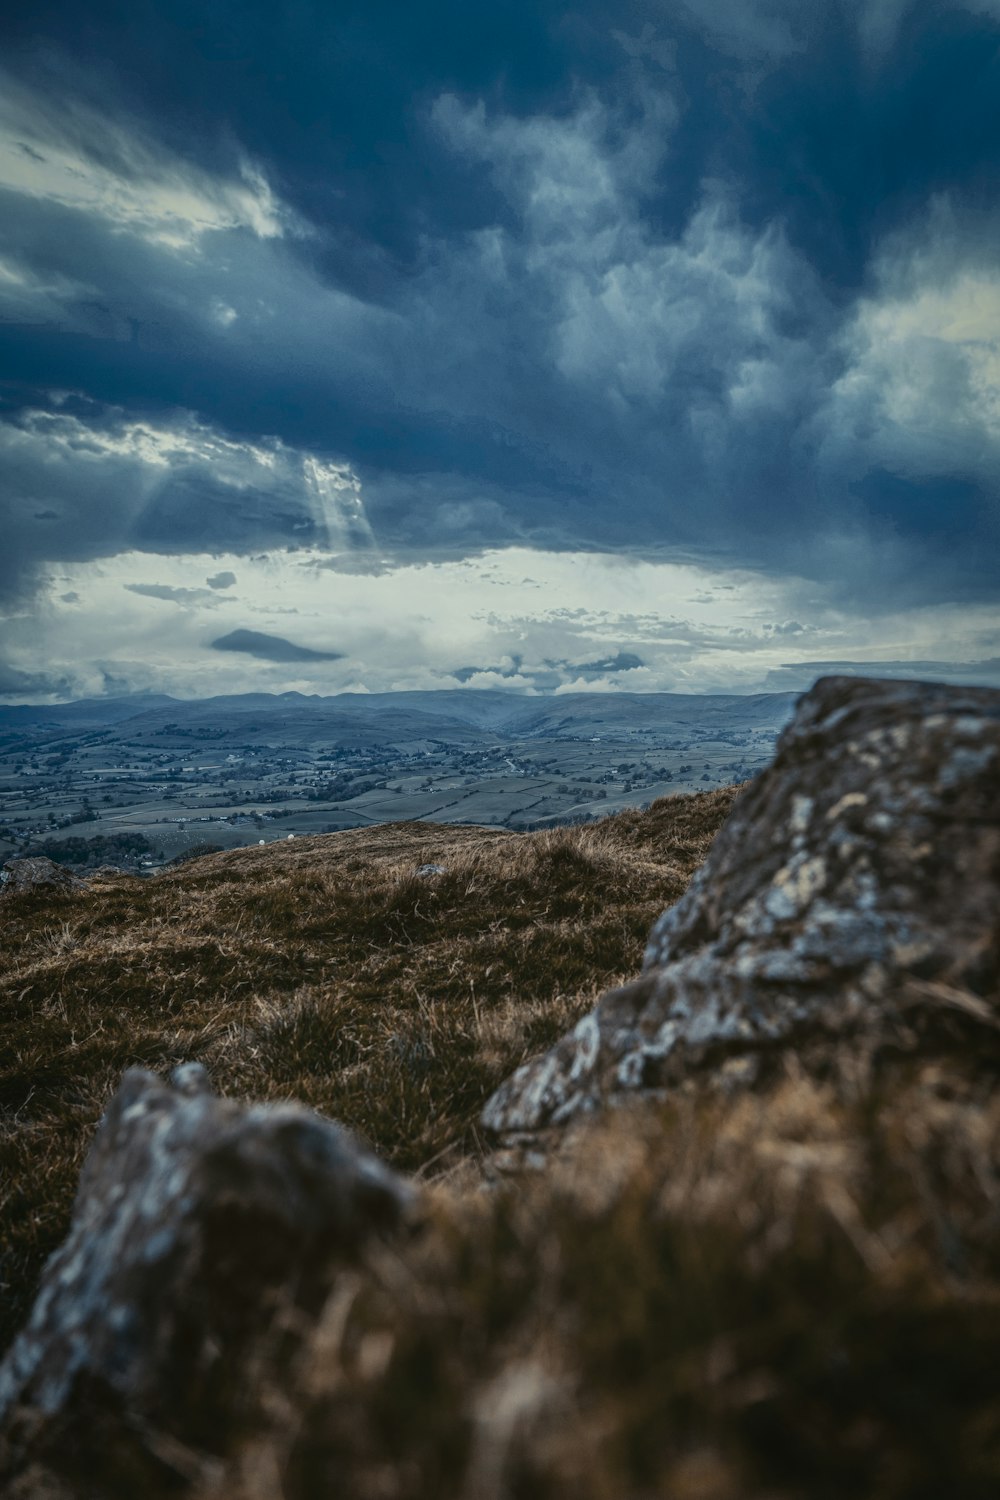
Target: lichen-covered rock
point(857, 878)
point(192, 1212)
point(19, 876)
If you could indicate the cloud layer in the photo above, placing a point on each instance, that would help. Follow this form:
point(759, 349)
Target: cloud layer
point(515, 617)
point(713, 281)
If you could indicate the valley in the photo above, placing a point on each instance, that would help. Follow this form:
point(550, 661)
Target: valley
point(142, 781)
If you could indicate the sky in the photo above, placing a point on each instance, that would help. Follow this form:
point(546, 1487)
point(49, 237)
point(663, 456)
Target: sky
point(609, 347)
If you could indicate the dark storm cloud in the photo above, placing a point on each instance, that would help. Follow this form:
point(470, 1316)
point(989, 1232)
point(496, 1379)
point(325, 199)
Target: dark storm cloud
point(14, 683)
point(221, 580)
point(270, 647)
point(627, 275)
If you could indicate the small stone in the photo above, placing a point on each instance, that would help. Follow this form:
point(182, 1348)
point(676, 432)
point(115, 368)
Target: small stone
point(19, 876)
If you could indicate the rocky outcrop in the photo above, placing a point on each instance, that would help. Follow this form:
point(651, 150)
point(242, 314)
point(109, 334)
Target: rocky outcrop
point(20, 876)
point(856, 881)
point(192, 1213)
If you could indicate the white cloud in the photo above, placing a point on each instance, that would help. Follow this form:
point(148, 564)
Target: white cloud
point(573, 175)
point(921, 390)
point(765, 32)
point(32, 294)
point(629, 311)
point(114, 234)
point(939, 335)
point(714, 298)
point(85, 484)
point(519, 618)
point(63, 151)
point(752, 28)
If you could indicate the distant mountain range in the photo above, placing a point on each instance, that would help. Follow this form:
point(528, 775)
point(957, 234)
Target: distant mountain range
point(452, 714)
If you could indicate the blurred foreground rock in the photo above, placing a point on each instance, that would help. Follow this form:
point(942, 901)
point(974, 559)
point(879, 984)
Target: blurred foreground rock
point(193, 1213)
point(856, 884)
point(19, 876)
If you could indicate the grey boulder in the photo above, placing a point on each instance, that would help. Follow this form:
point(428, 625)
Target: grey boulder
point(856, 882)
point(193, 1214)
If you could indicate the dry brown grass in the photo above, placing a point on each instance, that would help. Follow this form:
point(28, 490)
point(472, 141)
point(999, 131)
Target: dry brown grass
point(325, 970)
point(792, 1295)
point(788, 1296)
point(785, 1293)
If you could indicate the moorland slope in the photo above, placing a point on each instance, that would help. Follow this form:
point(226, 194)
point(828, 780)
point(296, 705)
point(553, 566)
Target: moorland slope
point(774, 1282)
point(326, 970)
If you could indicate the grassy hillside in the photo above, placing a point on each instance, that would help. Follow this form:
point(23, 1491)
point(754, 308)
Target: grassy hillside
point(324, 970)
point(790, 1293)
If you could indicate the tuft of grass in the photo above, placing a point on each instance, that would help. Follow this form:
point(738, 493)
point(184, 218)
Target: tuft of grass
point(324, 970)
point(739, 1298)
